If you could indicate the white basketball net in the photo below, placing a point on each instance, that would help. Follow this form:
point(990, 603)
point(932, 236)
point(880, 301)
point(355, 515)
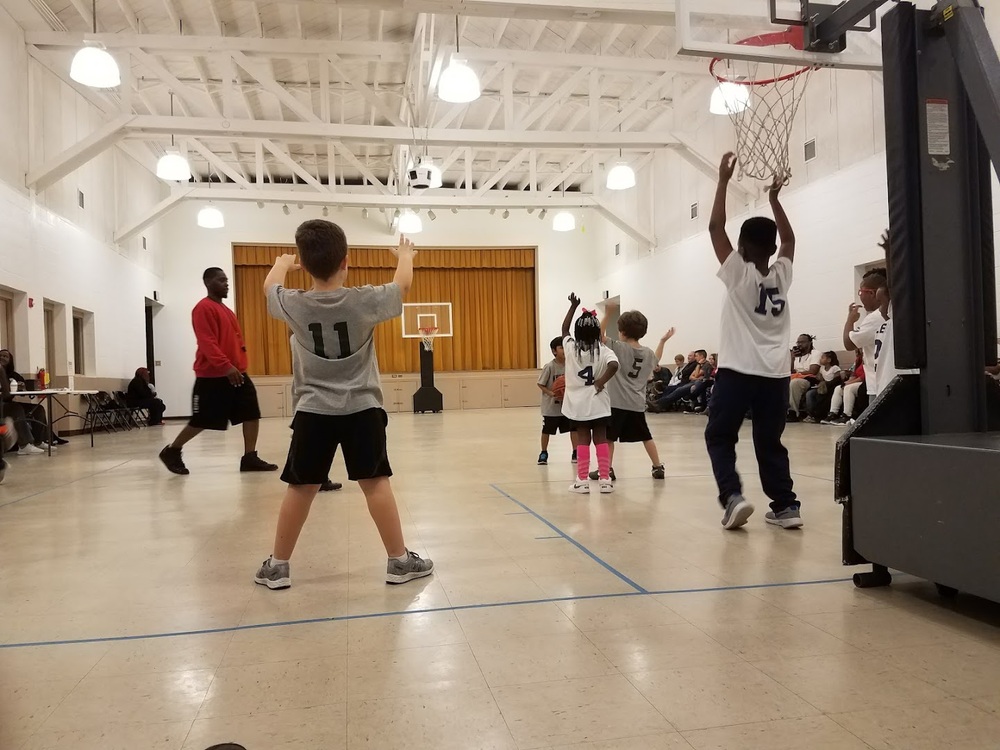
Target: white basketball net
point(761, 99)
point(427, 336)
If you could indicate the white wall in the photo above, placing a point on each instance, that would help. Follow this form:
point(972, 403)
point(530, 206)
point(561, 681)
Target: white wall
point(52, 249)
point(564, 264)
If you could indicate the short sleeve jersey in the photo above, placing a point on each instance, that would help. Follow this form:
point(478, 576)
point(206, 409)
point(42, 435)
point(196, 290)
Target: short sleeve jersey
point(551, 371)
point(863, 337)
point(885, 355)
point(582, 402)
point(628, 386)
point(334, 369)
point(756, 325)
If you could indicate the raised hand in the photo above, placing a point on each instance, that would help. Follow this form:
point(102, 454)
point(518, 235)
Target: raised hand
point(405, 248)
point(727, 167)
point(884, 243)
point(774, 188)
point(287, 262)
point(574, 300)
point(669, 334)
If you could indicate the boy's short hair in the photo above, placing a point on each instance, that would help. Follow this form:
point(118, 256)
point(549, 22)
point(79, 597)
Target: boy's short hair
point(633, 324)
point(680, 358)
point(874, 279)
point(759, 236)
point(555, 343)
point(702, 352)
point(211, 273)
point(322, 247)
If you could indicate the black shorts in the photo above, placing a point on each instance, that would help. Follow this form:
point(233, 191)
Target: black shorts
point(552, 425)
point(216, 403)
point(593, 424)
point(628, 427)
point(316, 437)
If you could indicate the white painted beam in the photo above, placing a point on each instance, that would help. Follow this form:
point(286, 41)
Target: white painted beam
point(129, 231)
point(78, 154)
point(642, 236)
point(146, 125)
point(218, 163)
point(296, 168)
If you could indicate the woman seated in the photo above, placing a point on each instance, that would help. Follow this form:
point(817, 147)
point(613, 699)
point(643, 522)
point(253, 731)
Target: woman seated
point(805, 374)
point(141, 394)
point(30, 419)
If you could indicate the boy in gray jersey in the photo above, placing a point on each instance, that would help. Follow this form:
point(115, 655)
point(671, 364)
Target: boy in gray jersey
point(553, 420)
point(336, 392)
point(628, 387)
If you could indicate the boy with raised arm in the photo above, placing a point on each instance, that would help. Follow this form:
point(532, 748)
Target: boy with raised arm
point(753, 371)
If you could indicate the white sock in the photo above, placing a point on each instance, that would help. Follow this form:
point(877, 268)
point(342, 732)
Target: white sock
point(278, 562)
point(403, 558)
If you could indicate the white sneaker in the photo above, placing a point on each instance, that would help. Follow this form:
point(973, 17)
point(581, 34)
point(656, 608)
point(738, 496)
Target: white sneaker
point(580, 488)
point(31, 450)
point(607, 487)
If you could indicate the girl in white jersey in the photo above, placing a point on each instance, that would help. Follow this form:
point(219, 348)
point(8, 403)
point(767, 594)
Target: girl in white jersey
point(589, 367)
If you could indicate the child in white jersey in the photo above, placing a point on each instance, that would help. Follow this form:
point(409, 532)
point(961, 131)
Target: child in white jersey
point(589, 367)
point(753, 371)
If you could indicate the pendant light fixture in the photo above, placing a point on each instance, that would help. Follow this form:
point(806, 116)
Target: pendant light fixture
point(210, 217)
point(563, 221)
point(93, 65)
point(729, 99)
point(458, 83)
point(410, 223)
point(621, 176)
point(172, 165)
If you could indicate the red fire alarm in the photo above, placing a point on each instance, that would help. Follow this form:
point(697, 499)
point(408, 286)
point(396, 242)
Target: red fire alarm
point(31, 301)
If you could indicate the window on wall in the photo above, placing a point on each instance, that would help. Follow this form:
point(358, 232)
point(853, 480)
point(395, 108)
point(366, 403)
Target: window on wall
point(478, 282)
point(79, 348)
point(6, 322)
point(50, 338)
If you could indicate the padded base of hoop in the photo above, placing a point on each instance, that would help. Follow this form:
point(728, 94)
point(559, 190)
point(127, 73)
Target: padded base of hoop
point(427, 398)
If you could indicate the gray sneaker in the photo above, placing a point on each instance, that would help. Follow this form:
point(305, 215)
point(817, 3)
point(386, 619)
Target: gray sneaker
point(414, 567)
point(738, 510)
point(273, 576)
point(786, 519)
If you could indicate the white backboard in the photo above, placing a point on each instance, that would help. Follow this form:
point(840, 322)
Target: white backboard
point(713, 28)
point(417, 315)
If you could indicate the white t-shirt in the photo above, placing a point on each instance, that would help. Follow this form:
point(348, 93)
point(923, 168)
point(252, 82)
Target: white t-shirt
point(806, 361)
point(863, 337)
point(885, 354)
point(582, 402)
point(756, 326)
point(829, 373)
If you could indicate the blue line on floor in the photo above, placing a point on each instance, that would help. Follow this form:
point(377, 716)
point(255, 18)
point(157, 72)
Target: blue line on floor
point(573, 541)
point(428, 610)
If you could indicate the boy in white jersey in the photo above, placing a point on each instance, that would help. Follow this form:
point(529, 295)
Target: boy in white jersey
point(860, 333)
point(885, 348)
point(589, 367)
point(753, 371)
point(628, 389)
point(337, 393)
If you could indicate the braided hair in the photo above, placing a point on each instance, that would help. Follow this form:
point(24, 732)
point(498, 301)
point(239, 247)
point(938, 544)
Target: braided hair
point(587, 333)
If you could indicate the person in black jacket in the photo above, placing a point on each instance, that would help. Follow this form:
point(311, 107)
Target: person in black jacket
point(142, 395)
point(31, 419)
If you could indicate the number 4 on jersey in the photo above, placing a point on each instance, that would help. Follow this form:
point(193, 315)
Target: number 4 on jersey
point(770, 300)
point(587, 373)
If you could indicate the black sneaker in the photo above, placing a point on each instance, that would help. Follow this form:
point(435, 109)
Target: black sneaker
point(253, 462)
point(572, 458)
point(329, 486)
point(56, 440)
point(171, 458)
point(659, 472)
point(595, 475)
point(792, 416)
point(543, 458)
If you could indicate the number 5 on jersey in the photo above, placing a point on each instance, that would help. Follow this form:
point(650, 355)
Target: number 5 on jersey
point(770, 301)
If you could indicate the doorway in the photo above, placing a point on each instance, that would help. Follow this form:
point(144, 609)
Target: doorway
point(151, 308)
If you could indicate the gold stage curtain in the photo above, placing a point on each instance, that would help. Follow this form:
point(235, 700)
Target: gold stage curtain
point(492, 292)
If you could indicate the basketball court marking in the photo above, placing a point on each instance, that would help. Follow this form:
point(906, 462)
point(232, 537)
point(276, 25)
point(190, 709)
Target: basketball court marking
point(401, 613)
point(639, 589)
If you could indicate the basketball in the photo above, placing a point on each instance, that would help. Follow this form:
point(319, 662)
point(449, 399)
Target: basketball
point(559, 387)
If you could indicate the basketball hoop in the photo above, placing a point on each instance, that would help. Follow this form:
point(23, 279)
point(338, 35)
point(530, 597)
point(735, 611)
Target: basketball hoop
point(762, 98)
point(427, 335)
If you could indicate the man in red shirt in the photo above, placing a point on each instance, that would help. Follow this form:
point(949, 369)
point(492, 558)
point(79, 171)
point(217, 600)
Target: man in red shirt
point(223, 392)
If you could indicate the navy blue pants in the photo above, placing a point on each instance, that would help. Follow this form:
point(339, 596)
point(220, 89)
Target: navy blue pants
point(734, 395)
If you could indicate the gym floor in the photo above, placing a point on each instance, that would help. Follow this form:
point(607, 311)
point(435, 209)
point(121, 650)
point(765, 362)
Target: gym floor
point(129, 619)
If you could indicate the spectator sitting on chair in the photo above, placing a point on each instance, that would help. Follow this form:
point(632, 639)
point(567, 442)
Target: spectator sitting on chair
point(805, 371)
point(830, 376)
point(31, 420)
point(663, 380)
point(845, 396)
point(702, 389)
point(141, 394)
point(698, 373)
